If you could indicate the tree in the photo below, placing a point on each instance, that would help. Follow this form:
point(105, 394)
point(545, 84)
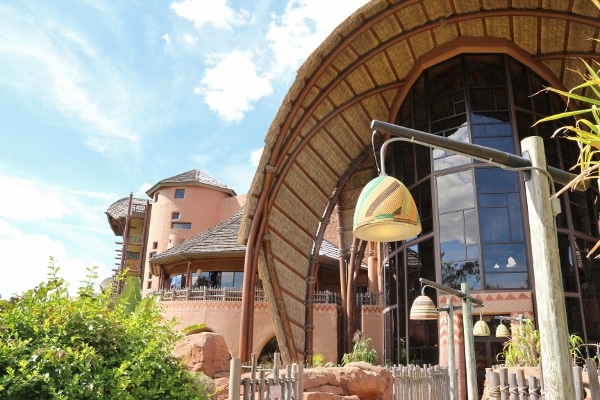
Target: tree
point(86, 346)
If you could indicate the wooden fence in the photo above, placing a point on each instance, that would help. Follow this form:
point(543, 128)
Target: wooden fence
point(265, 383)
point(505, 385)
point(413, 382)
point(410, 382)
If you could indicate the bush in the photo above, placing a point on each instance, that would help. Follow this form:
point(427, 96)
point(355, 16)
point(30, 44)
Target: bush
point(361, 351)
point(523, 347)
point(87, 346)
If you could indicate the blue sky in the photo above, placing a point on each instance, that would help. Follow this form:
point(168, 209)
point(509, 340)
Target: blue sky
point(102, 98)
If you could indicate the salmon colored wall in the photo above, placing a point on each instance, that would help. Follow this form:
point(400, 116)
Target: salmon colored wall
point(222, 318)
point(230, 205)
point(372, 327)
point(202, 207)
point(325, 320)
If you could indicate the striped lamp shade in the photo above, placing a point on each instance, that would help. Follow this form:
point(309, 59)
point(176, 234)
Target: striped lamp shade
point(481, 328)
point(386, 212)
point(423, 308)
point(502, 331)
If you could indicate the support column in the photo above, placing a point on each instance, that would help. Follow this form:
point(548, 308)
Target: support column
point(549, 294)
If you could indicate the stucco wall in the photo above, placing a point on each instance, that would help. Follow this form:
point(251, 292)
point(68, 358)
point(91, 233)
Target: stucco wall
point(325, 320)
point(222, 317)
point(372, 327)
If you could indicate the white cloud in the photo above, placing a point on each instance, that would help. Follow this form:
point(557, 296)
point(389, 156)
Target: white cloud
point(26, 261)
point(255, 156)
point(215, 12)
point(74, 232)
point(27, 202)
point(59, 65)
point(167, 38)
point(232, 85)
point(190, 39)
point(511, 263)
point(303, 26)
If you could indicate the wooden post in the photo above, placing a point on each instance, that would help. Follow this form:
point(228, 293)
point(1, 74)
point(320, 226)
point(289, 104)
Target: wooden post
point(513, 390)
point(503, 383)
point(451, 354)
point(467, 305)
point(549, 295)
point(492, 380)
point(578, 382)
point(522, 383)
point(592, 371)
point(235, 377)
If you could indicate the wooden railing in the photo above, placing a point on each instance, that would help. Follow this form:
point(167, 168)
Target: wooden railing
point(502, 384)
point(410, 382)
point(204, 293)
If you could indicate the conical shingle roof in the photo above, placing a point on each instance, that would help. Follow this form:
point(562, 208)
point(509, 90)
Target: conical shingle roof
point(193, 177)
point(220, 239)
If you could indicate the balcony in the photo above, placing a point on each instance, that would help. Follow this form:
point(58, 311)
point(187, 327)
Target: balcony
point(204, 293)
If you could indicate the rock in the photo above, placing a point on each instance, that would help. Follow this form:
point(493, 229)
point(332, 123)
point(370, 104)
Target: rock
point(368, 382)
point(206, 352)
point(361, 379)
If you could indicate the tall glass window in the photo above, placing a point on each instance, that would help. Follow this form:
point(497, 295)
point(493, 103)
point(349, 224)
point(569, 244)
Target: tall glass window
point(474, 214)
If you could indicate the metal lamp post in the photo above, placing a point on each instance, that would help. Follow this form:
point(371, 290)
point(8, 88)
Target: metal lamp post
point(467, 313)
point(558, 379)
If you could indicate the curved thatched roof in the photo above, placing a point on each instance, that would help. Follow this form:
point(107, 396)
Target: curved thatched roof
point(317, 149)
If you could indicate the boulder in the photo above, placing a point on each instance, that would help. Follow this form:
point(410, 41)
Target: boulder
point(206, 352)
point(361, 380)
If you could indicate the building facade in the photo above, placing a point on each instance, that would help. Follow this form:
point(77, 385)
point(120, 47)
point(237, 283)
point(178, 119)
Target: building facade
point(182, 242)
point(466, 70)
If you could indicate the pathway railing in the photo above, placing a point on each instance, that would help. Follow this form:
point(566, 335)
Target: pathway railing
point(410, 382)
point(505, 385)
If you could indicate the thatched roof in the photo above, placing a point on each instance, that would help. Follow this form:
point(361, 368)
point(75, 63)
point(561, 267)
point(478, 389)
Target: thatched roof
point(194, 177)
point(317, 149)
point(117, 212)
point(218, 241)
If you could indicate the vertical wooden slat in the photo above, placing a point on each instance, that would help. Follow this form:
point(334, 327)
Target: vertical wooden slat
point(235, 377)
point(592, 370)
point(503, 373)
point(512, 383)
point(522, 384)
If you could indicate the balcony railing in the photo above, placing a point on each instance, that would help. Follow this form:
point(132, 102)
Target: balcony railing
point(235, 294)
point(368, 299)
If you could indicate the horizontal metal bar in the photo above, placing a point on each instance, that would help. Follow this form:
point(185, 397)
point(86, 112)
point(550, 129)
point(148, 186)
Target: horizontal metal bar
point(471, 150)
point(450, 290)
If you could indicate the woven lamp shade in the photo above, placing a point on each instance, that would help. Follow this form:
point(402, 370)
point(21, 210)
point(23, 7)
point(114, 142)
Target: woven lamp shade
point(481, 328)
point(386, 212)
point(502, 331)
point(423, 309)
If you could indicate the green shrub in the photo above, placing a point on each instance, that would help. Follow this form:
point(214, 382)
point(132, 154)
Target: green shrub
point(523, 347)
point(361, 351)
point(86, 346)
point(318, 360)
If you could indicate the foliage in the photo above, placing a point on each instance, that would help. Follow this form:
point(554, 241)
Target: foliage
point(523, 347)
point(131, 295)
point(318, 360)
point(195, 328)
point(586, 129)
point(85, 346)
point(575, 344)
point(361, 351)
